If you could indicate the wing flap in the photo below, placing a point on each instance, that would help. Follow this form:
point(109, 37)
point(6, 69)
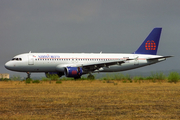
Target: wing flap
point(95, 66)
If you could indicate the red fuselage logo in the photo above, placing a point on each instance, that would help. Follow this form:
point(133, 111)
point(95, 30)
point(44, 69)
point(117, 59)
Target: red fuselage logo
point(74, 72)
point(150, 45)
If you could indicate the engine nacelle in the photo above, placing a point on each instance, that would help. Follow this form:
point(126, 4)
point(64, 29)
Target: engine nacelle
point(75, 72)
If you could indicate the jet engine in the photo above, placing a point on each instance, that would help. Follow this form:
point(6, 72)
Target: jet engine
point(75, 72)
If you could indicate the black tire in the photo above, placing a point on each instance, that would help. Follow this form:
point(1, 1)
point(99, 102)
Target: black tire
point(90, 77)
point(77, 77)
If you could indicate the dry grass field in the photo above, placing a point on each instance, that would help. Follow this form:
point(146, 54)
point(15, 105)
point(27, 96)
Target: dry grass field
point(89, 100)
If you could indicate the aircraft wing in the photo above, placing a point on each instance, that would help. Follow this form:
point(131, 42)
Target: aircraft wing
point(159, 58)
point(96, 66)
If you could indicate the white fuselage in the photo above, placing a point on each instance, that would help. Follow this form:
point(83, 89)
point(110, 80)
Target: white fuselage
point(56, 62)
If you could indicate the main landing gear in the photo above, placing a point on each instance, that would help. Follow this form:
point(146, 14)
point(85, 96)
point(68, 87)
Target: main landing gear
point(90, 77)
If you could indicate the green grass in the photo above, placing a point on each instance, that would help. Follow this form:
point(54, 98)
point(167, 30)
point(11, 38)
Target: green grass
point(35, 81)
point(58, 82)
point(28, 81)
point(5, 79)
point(173, 77)
point(16, 78)
point(158, 76)
point(116, 77)
point(154, 77)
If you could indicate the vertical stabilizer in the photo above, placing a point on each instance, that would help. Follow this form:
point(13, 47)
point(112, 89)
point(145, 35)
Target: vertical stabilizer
point(151, 43)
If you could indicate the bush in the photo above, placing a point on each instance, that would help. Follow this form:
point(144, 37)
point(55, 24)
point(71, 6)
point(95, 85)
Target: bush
point(66, 79)
point(108, 77)
point(28, 80)
point(5, 79)
point(138, 78)
point(158, 76)
point(149, 78)
point(173, 77)
point(83, 78)
point(58, 81)
point(45, 79)
point(122, 77)
point(124, 81)
point(16, 77)
point(52, 76)
point(35, 81)
point(130, 81)
point(118, 76)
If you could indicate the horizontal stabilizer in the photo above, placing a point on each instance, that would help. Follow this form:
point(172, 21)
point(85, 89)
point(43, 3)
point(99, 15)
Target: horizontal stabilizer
point(159, 58)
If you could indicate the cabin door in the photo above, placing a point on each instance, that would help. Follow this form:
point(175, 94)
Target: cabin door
point(30, 59)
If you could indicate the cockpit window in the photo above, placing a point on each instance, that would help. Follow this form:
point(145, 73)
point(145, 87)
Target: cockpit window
point(17, 59)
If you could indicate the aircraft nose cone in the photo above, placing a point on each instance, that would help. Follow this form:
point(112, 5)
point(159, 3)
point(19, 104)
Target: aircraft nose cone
point(8, 65)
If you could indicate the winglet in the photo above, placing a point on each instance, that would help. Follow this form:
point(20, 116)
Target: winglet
point(151, 43)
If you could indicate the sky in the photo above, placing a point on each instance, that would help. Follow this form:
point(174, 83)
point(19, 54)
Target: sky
point(88, 26)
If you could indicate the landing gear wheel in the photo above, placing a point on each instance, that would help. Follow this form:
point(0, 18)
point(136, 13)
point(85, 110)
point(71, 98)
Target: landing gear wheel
point(90, 77)
point(77, 77)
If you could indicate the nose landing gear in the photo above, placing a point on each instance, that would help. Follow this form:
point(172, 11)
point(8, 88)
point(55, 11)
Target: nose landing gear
point(28, 75)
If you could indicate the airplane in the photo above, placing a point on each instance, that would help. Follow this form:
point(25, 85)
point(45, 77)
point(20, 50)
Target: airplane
point(77, 64)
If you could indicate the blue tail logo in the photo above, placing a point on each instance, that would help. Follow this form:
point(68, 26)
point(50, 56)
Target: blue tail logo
point(151, 43)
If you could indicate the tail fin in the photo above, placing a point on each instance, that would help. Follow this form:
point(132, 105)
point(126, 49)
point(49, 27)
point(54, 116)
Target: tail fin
point(150, 44)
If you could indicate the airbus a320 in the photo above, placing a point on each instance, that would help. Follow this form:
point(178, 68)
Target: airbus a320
point(77, 64)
